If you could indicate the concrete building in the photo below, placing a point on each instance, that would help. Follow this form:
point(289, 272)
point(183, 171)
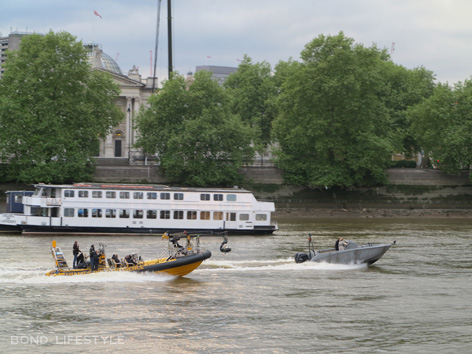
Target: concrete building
point(220, 73)
point(10, 42)
point(118, 147)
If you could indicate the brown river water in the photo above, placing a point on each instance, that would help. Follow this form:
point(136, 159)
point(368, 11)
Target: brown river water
point(255, 299)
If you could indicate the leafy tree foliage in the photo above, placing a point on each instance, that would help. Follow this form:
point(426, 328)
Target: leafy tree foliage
point(197, 138)
point(53, 109)
point(333, 128)
point(405, 88)
point(252, 89)
point(442, 124)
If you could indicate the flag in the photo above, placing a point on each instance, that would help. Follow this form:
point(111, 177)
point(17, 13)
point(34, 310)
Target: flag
point(208, 57)
point(97, 14)
point(237, 59)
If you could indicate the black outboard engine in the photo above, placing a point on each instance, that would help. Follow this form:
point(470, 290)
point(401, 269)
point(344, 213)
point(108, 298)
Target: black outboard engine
point(224, 247)
point(301, 257)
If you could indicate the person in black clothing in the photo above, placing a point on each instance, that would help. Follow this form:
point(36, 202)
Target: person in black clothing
point(97, 259)
point(129, 258)
point(336, 245)
point(117, 260)
point(81, 261)
point(93, 258)
point(75, 252)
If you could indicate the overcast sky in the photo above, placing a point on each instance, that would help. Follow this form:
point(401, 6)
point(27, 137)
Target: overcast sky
point(435, 34)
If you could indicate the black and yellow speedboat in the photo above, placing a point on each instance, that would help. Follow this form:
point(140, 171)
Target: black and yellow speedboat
point(176, 260)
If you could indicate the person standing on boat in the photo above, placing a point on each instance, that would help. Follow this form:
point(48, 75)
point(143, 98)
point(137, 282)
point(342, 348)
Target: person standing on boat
point(336, 244)
point(93, 255)
point(75, 252)
point(341, 244)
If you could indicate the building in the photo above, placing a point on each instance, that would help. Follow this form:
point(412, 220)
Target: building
point(10, 42)
point(220, 73)
point(118, 147)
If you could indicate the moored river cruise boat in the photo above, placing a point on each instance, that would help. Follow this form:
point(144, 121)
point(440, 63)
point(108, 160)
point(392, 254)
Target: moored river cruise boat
point(92, 208)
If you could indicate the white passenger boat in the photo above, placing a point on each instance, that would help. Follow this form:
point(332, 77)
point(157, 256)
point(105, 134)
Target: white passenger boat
point(91, 208)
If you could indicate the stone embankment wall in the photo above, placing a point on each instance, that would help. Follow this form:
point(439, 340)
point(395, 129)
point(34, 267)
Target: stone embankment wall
point(407, 189)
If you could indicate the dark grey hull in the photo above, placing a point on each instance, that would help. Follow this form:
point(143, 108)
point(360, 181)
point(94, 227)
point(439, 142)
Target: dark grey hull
point(102, 231)
point(362, 254)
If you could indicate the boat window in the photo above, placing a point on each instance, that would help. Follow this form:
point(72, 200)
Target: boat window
point(82, 213)
point(178, 196)
point(138, 195)
point(204, 197)
point(165, 214)
point(138, 214)
point(69, 212)
point(218, 215)
point(231, 197)
point(18, 198)
point(261, 217)
point(35, 211)
point(110, 213)
point(96, 194)
point(83, 194)
point(96, 213)
point(151, 214)
point(191, 215)
point(110, 194)
point(178, 214)
point(204, 215)
point(243, 217)
point(68, 193)
point(165, 196)
point(124, 213)
point(151, 195)
point(218, 197)
point(124, 195)
point(230, 216)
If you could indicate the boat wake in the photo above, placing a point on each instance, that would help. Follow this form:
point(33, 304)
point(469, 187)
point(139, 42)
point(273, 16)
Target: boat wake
point(37, 276)
point(274, 265)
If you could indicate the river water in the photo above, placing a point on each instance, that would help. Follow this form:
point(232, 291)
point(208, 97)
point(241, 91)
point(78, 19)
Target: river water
point(255, 299)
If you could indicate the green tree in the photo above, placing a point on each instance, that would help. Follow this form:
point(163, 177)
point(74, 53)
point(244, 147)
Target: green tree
point(253, 92)
point(333, 128)
point(53, 110)
point(196, 137)
point(405, 88)
point(442, 125)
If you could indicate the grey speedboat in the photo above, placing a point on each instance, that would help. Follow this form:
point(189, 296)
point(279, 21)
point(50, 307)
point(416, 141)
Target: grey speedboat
point(352, 253)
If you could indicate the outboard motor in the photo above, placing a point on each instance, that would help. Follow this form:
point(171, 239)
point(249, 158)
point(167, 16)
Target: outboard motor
point(301, 257)
point(224, 247)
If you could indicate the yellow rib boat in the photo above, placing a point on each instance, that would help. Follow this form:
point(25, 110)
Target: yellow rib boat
point(176, 260)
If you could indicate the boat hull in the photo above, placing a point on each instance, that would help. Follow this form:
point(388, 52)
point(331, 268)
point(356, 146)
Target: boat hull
point(128, 231)
point(177, 267)
point(364, 254)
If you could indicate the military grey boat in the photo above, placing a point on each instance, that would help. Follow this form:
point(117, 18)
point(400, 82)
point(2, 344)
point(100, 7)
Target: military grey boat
point(352, 253)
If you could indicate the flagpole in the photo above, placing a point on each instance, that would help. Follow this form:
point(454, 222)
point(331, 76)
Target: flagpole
point(169, 36)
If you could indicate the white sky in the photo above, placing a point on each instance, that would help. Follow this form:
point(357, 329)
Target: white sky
point(435, 34)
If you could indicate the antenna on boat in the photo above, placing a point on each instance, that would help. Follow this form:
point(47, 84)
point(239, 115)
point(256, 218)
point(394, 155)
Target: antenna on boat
point(311, 248)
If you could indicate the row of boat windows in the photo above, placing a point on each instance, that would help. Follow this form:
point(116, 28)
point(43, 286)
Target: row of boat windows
point(148, 195)
point(153, 214)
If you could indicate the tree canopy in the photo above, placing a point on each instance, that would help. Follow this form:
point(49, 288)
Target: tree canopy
point(197, 139)
point(333, 128)
point(442, 124)
point(252, 90)
point(53, 110)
